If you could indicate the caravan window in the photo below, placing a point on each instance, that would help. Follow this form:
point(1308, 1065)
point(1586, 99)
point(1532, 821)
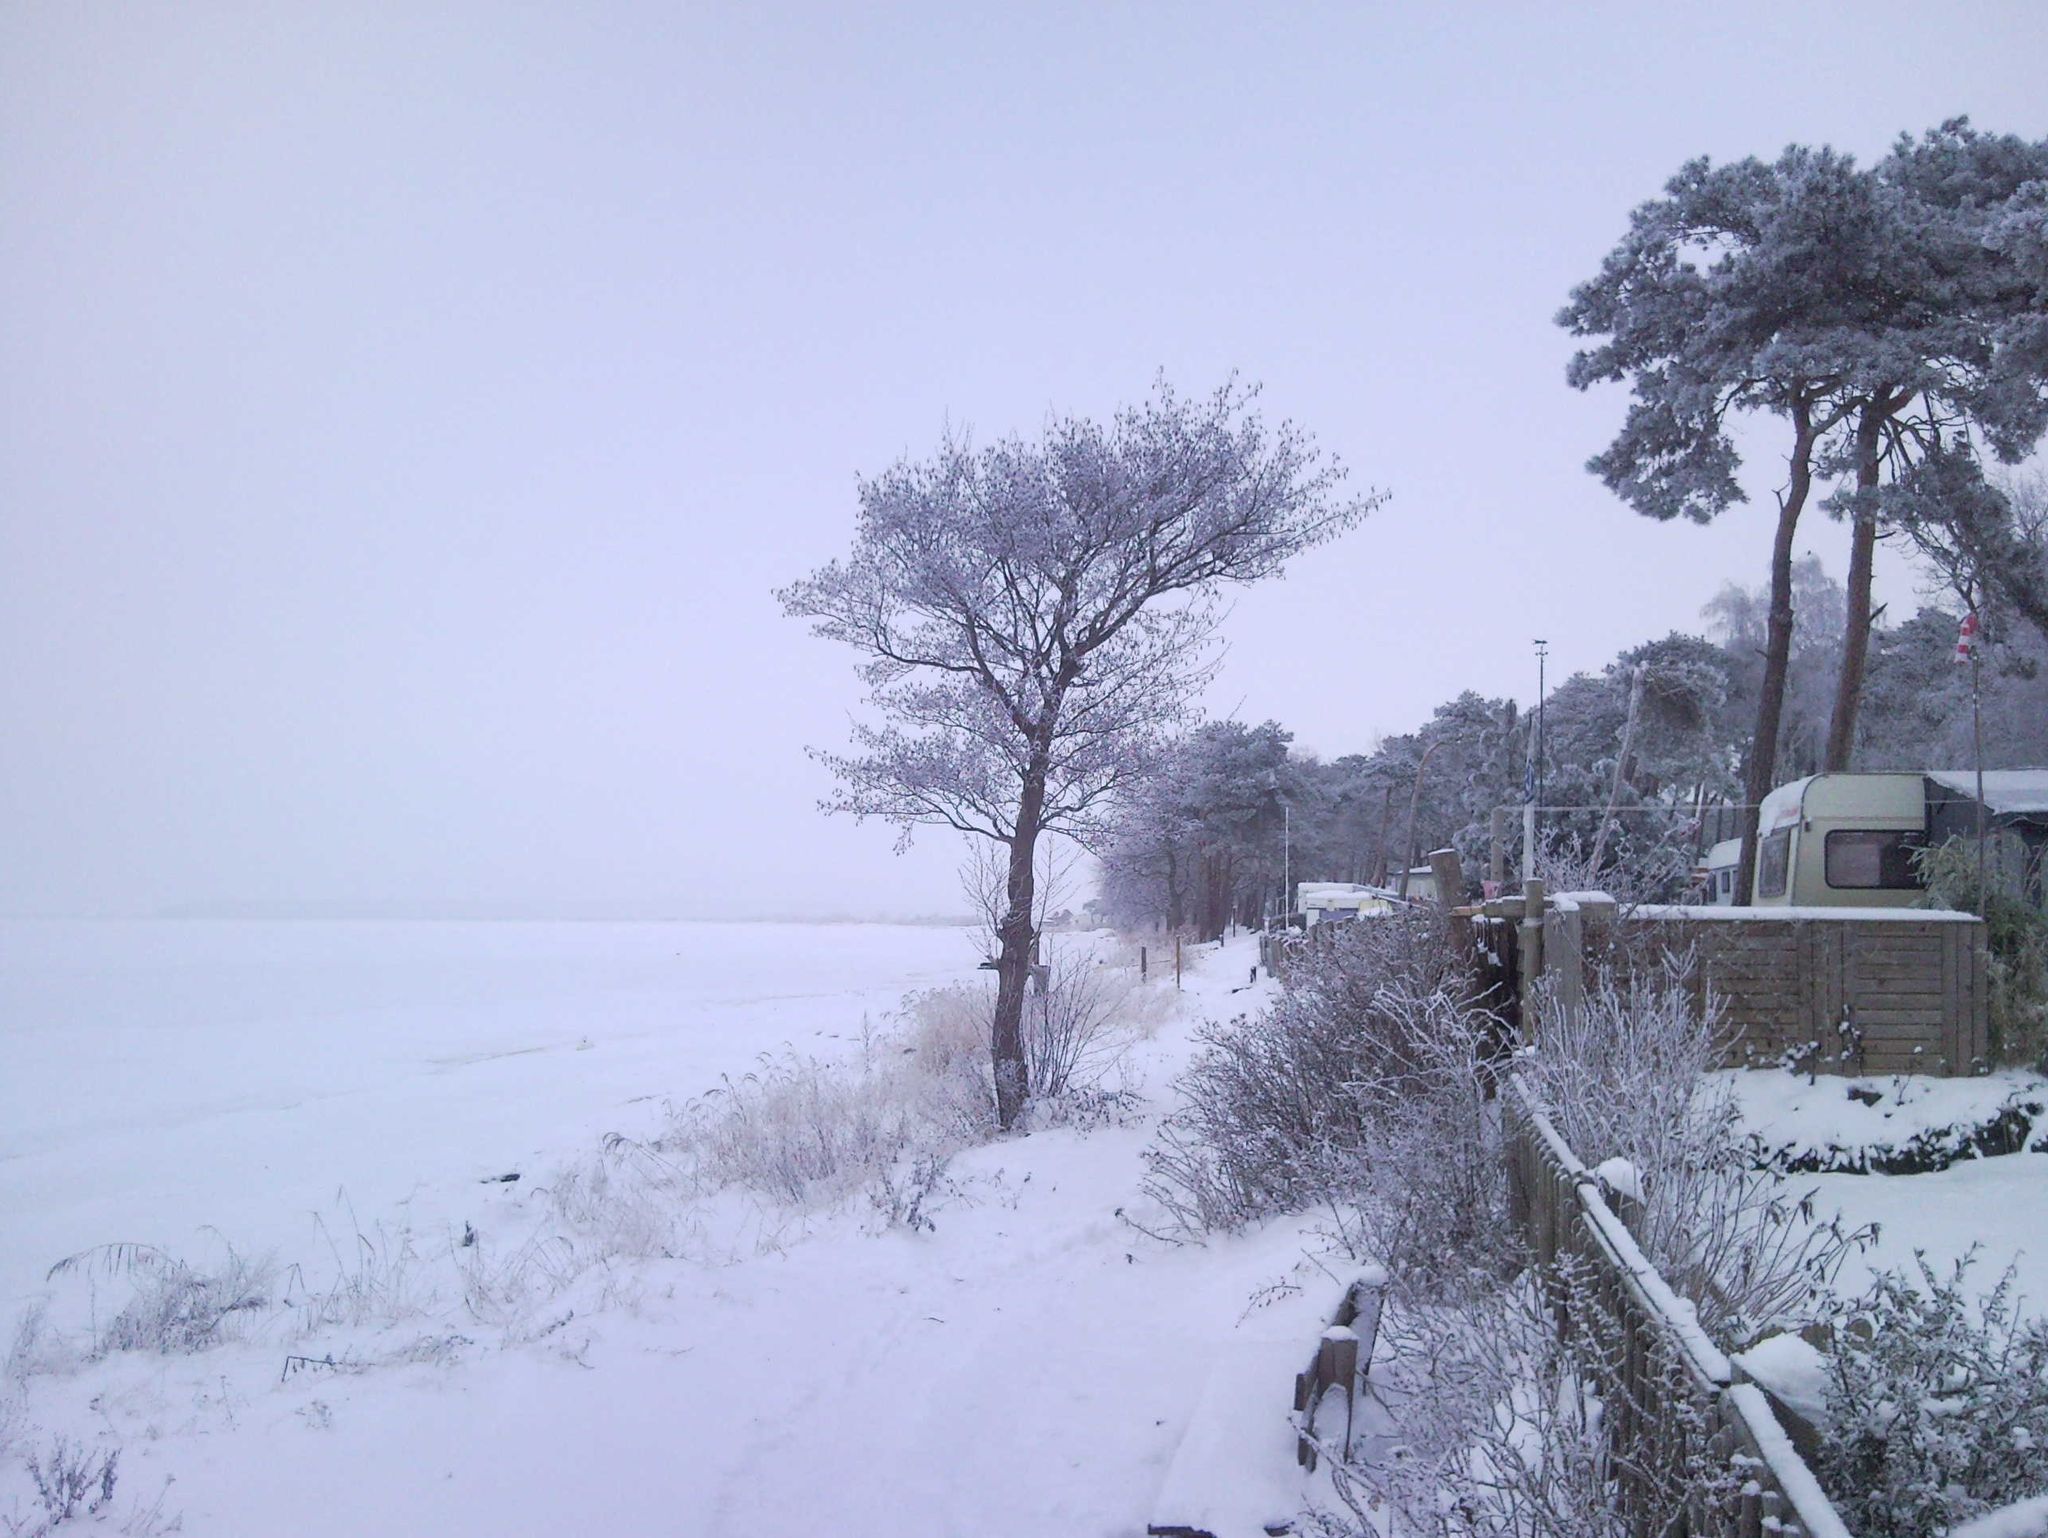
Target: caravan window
point(1774, 863)
point(1872, 859)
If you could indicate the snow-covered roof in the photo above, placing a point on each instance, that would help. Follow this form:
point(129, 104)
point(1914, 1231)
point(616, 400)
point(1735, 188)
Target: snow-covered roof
point(2005, 790)
point(1782, 805)
point(1727, 852)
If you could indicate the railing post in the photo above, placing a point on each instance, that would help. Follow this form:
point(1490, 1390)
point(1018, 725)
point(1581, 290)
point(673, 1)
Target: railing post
point(1529, 958)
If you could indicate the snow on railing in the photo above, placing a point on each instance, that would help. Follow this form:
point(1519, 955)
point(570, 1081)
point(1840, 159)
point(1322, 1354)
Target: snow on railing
point(1565, 1210)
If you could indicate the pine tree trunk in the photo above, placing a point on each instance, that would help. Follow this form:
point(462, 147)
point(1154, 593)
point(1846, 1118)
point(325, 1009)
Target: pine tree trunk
point(1761, 766)
point(1856, 634)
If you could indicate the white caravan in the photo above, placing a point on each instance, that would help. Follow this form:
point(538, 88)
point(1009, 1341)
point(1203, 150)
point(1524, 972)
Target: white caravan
point(1842, 840)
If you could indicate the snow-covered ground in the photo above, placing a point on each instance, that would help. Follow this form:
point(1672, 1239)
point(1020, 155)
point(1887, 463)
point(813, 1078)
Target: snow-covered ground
point(158, 1077)
point(1028, 1366)
point(1994, 1207)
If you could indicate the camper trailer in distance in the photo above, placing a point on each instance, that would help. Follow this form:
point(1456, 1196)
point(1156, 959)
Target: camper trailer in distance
point(1848, 840)
point(1841, 840)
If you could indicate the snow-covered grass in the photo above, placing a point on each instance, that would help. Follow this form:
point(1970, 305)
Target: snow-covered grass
point(442, 1350)
point(1997, 1206)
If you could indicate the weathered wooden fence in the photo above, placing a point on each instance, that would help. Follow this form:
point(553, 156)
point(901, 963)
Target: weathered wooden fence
point(1849, 991)
point(1674, 1400)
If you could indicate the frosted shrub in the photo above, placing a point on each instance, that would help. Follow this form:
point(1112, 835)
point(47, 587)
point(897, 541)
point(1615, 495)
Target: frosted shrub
point(1075, 1030)
point(70, 1481)
point(803, 1129)
point(1627, 1076)
point(1499, 1422)
point(1641, 861)
point(1363, 1089)
point(173, 1307)
point(1937, 1406)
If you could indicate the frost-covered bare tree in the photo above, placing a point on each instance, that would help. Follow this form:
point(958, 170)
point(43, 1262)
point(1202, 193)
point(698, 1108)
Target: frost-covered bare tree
point(1035, 615)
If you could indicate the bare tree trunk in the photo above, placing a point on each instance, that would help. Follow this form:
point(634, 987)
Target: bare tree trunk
point(1013, 960)
point(1628, 738)
point(1761, 765)
point(1379, 874)
point(1856, 636)
point(1215, 896)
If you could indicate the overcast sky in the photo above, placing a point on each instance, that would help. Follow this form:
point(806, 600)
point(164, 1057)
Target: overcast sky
point(406, 410)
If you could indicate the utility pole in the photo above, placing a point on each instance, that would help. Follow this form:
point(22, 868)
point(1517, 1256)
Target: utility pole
point(1532, 796)
point(1542, 657)
point(1972, 630)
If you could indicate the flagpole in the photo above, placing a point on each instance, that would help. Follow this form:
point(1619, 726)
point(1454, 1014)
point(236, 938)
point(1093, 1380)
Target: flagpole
point(1977, 743)
point(1969, 641)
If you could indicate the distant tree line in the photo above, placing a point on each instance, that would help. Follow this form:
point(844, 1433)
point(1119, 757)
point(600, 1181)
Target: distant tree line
point(1891, 320)
point(1231, 812)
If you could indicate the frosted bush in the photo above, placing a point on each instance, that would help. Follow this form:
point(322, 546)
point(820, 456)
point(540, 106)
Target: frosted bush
point(1937, 1405)
point(1503, 1414)
point(1076, 1029)
point(1363, 1090)
point(173, 1307)
point(1628, 1075)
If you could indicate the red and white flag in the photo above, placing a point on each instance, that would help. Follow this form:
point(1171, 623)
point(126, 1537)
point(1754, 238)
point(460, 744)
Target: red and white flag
point(1966, 637)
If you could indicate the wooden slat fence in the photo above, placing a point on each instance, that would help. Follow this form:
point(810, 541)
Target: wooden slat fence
point(1673, 1398)
point(1859, 992)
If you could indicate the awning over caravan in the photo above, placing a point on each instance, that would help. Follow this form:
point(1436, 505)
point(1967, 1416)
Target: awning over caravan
point(2007, 792)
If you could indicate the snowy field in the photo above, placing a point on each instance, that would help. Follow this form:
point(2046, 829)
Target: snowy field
point(160, 1077)
point(1025, 1367)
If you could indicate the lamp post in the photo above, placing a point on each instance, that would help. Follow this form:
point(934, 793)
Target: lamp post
point(1531, 802)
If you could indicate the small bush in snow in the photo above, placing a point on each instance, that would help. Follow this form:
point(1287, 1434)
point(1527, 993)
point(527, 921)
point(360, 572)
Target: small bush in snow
point(802, 1129)
point(1643, 860)
point(70, 1481)
point(1076, 1029)
point(1364, 1089)
point(1937, 1405)
point(174, 1307)
point(1627, 1076)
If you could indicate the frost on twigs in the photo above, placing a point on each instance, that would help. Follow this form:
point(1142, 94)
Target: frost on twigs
point(1505, 1407)
point(1627, 1075)
point(1362, 1091)
point(1937, 1404)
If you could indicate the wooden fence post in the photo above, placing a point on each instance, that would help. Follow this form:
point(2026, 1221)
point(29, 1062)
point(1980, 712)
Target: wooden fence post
point(1530, 958)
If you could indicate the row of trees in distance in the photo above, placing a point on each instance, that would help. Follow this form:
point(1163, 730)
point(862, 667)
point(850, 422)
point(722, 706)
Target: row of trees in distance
point(1232, 810)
